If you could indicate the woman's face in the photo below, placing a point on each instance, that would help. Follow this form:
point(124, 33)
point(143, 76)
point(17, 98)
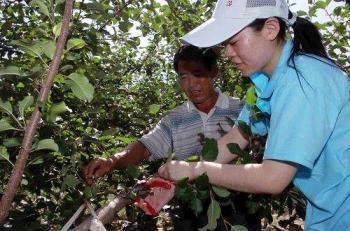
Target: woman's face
point(250, 51)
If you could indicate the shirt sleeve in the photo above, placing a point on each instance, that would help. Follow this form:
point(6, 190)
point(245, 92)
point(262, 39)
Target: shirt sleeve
point(302, 120)
point(159, 140)
point(258, 127)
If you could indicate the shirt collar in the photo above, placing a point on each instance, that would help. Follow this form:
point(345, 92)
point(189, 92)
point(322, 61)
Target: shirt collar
point(221, 102)
point(263, 84)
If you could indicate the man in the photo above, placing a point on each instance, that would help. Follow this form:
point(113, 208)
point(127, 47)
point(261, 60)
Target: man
point(206, 112)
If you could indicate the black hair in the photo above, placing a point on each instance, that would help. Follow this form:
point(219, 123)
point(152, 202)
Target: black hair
point(307, 39)
point(190, 53)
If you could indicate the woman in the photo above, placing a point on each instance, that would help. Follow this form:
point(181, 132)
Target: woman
point(305, 96)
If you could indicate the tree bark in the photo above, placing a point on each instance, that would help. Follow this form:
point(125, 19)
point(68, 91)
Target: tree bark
point(106, 215)
point(17, 172)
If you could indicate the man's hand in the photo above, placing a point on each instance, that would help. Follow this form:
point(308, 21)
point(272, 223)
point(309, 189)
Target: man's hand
point(97, 168)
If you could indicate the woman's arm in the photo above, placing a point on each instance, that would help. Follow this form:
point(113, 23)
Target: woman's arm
point(268, 177)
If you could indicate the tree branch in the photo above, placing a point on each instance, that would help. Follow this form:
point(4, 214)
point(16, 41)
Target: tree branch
point(17, 172)
point(107, 214)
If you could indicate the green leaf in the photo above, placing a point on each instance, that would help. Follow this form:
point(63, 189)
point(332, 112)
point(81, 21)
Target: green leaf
point(66, 68)
point(24, 182)
point(235, 149)
point(57, 29)
point(90, 192)
point(42, 7)
point(5, 125)
point(244, 128)
point(80, 86)
point(36, 161)
point(203, 194)
point(36, 49)
point(202, 182)
point(153, 109)
point(60, 1)
point(75, 43)
point(210, 149)
point(4, 155)
point(301, 13)
point(322, 4)
point(42, 106)
point(251, 96)
point(182, 182)
point(125, 26)
point(10, 70)
point(133, 171)
point(46, 144)
point(49, 48)
point(55, 110)
point(337, 10)
point(252, 207)
point(24, 104)
point(221, 192)
point(193, 158)
point(196, 205)
point(186, 194)
point(20, 85)
point(11, 142)
point(239, 228)
point(70, 181)
point(95, 6)
point(213, 213)
point(125, 139)
point(6, 107)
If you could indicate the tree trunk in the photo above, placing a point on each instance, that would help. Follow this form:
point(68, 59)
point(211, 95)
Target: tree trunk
point(106, 215)
point(17, 172)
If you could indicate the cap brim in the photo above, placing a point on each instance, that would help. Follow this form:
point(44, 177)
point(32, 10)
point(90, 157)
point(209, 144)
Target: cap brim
point(215, 31)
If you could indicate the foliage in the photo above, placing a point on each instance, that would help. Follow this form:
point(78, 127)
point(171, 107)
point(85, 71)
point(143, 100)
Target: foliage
point(197, 192)
point(114, 83)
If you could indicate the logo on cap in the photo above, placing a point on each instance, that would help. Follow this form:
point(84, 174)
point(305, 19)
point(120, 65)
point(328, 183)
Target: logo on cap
point(229, 3)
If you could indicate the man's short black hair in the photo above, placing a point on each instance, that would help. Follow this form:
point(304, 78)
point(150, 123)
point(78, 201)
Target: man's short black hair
point(190, 53)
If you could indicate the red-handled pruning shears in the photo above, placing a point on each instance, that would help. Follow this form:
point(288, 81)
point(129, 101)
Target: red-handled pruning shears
point(153, 194)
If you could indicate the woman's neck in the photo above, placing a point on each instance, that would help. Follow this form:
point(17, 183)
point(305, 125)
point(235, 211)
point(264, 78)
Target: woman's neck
point(270, 67)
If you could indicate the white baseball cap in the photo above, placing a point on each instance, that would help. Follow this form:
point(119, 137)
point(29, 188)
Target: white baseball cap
point(230, 17)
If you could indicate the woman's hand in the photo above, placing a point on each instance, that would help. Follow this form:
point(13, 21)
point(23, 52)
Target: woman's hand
point(175, 170)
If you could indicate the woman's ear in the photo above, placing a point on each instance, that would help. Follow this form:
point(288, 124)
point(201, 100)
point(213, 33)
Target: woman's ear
point(271, 28)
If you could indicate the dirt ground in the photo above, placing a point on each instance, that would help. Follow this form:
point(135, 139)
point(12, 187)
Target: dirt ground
point(168, 222)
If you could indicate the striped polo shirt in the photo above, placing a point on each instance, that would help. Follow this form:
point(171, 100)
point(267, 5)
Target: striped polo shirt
point(178, 131)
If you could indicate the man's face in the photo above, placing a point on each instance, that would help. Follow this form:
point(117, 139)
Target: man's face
point(197, 81)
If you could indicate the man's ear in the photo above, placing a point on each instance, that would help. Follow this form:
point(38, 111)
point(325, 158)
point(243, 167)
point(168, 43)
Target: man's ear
point(271, 28)
point(214, 71)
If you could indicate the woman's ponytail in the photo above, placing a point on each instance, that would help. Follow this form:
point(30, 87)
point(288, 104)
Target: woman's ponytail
point(307, 39)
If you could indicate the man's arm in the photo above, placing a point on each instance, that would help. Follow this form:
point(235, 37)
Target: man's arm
point(133, 154)
point(233, 136)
